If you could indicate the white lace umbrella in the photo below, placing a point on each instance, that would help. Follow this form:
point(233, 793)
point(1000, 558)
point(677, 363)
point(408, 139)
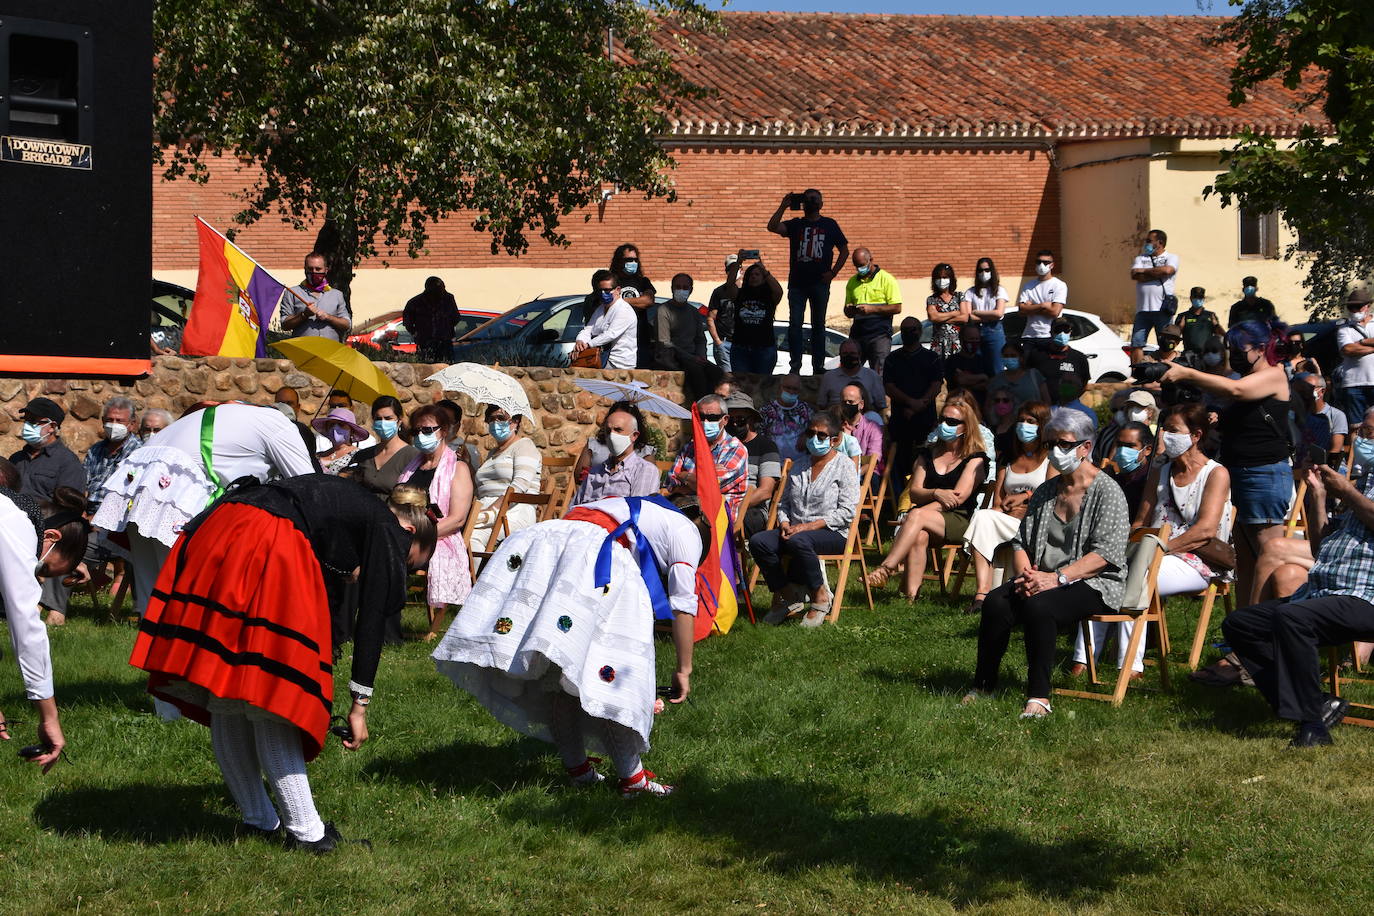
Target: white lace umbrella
point(636, 393)
point(484, 385)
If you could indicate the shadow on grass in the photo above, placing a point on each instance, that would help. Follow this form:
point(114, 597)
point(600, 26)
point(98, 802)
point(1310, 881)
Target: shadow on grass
point(469, 767)
point(131, 694)
point(948, 681)
point(137, 813)
point(786, 826)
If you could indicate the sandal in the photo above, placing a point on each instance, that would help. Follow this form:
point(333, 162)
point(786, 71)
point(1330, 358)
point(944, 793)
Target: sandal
point(1078, 669)
point(878, 576)
point(1220, 674)
point(977, 606)
point(1045, 710)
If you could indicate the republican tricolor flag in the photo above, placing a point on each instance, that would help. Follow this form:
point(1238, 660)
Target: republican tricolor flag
point(235, 299)
point(718, 572)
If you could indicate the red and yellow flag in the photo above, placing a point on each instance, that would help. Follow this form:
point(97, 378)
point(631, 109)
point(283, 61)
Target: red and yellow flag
point(235, 299)
point(716, 575)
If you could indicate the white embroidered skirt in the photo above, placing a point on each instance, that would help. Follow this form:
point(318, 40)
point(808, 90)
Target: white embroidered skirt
point(158, 489)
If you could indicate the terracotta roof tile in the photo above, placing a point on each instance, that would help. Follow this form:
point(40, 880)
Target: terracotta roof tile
point(861, 75)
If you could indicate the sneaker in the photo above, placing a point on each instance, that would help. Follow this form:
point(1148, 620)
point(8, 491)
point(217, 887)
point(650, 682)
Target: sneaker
point(642, 783)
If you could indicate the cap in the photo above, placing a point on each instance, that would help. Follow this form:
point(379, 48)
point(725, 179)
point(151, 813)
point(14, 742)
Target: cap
point(1171, 330)
point(1358, 297)
point(1141, 399)
point(731, 259)
point(740, 401)
point(43, 409)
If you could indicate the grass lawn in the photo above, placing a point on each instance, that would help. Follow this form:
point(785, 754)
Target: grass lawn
point(818, 771)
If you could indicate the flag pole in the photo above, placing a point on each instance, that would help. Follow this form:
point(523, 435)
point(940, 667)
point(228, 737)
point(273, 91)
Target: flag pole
point(230, 243)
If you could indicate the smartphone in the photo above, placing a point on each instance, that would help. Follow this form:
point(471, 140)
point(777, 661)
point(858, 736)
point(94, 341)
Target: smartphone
point(794, 201)
point(748, 254)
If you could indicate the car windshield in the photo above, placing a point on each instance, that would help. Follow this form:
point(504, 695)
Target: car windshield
point(510, 324)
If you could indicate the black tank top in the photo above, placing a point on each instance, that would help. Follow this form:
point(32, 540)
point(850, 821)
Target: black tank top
point(936, 481)
point(1254, 433)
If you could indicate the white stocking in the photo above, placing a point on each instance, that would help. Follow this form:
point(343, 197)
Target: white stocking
point(231, 736)
point(565, 726)
point(623, 745)
point(281, 757)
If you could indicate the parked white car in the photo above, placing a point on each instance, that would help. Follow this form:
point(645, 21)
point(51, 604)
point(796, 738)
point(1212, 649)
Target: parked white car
point(1107, 353)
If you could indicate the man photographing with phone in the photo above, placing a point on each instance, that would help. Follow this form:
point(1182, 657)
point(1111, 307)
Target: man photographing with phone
point(871, 298)
point(817, 250)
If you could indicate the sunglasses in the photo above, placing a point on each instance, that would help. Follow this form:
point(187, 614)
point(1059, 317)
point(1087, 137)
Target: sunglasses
point(428, 429)
point(1044, 262)
point(713, 417)
point(952, 421)
point(1069, 443)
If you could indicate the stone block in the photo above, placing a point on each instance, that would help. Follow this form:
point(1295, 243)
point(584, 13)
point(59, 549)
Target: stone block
point(271, 381)
point(196, 381)
point(145, 387)
point(403, 374)
point(217, 362)
point(97, 386)
point(243, 363)
point(224, 381)
point(425, 396)
point(265, 365)
point(78, 384)
point(404, 396)
point(540, 374)
point(171, 384)
point(285, 365)
point(184, 402)
point(54, 386)
point(551, 421)
point(159, 401)
point(82, 407)
point(293, 379)
point(567, 386)
point(11, 388)
point(247, 382)
point(170, 363)
point(584, 417)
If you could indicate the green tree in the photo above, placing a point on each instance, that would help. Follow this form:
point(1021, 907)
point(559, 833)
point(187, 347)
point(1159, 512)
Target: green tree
point(378, 117)
point(1322, 183)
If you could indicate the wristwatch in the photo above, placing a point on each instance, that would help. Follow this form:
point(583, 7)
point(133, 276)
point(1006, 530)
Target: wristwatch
point(1062, 579)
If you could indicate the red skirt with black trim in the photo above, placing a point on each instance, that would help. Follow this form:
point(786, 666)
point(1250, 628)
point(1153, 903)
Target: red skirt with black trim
point(240, 610)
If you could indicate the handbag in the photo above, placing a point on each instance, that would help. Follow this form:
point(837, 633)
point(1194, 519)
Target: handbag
point(588, 358)
point(1219, 555)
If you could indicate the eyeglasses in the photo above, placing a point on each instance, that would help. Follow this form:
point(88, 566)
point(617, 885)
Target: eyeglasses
point(1044, 262)
point(712, 417)
point(428, 429)
point(1070, 443)
point(952, 421)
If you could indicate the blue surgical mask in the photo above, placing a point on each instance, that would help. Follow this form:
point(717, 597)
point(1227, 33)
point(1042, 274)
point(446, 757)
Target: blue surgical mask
point(1127, 458)
point(787, 398)
point(1211, 359)
point(1198, 303)
point(711, 428)
point(426, 442)
point(607, 296)
point(1249, 290)
point(500, 430)
point(863, 271)
point(1011, 363)
point(680, 295)
point(1364, 452)
point(817, 446)
point(631, 267)
point(386, 429)
point(1149, 248)
point(32, 433)
point(947, 432)
point(1026, 432)
point(1062, 339)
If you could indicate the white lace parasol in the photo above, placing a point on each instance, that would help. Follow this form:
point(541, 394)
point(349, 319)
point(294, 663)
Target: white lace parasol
point(636, 393)
point(484, 385)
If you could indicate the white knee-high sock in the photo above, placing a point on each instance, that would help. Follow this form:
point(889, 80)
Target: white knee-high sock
point(565, 726)
point(623, 745)
point(231, 736)
point(281, 758)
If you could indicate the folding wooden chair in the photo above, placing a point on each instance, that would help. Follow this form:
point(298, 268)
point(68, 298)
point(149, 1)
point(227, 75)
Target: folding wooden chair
point(1140, 606)
point(1216, 587)
point(853, 550)
point(561, 493)
point(871, 501)
point(949, 561)
point(1333, 675)
point(1296, 525)
point(772, 519)
point(471, 525)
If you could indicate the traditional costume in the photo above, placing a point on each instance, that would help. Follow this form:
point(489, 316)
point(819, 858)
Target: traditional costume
point(556, 638)
point(21, 528)
point(243, 623)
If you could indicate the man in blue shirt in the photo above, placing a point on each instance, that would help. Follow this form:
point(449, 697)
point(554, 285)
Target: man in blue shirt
point(817, 250)
point(1277, 641)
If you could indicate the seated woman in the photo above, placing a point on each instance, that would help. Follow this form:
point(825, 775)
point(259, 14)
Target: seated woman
point(1023, 383)
point(341, 428)
point(379, 468)
point(1003, 418)
point(447, 480)
point(989, 529)
point(1193, 494)
point(1070, 562)
point(1129, 462)
point(814, 517)
point(515, 462)
point(945, 482)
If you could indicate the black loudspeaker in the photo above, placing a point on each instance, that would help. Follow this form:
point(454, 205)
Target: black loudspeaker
point(76, 195)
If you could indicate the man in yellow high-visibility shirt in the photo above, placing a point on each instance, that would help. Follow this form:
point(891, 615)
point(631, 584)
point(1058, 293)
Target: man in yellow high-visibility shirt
point(871, 298)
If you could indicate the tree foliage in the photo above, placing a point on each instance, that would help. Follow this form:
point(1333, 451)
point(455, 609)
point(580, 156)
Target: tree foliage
point(1321, 183)
point(378, 117)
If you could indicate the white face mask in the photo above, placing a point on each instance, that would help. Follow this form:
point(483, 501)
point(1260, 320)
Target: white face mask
point(619, 442)
point(984, 276)
point(1176, 444)
point(38, 564)
point(1043, 269)
point(1139, 414)
point(116, 432)
point(1065, 460)
point(942, 283)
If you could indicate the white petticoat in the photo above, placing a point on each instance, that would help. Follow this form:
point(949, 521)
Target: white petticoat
point(159, 489)
point(538, 588)
point(989, 529)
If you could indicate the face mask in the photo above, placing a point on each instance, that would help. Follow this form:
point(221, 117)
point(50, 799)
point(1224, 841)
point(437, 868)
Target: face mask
point(386, 429)
point(851, 361)
point(500, 430)
point(38, 566)
point(680, 295)
point(1359, 316)
point(1127, 458)
point(1198, 303)
point(427, 442)
point(1043, 269)
point(817, 446)
point(787, 398)
point(1062, 339)
point(116, 432)
point(1149, 248)
point(984, 276)
point(737, 429)
point(1176, 444)
point(316, 283)
point(850, 411)
point(607, 296)
point(711, 428)
point(1249, 290)
point(947, 433)
point(1026, 432)
point(1364, 452)
point(631, 267)
point(31, 434)
point(942, 283)
point(619, 442)
point(1065, 460)
point(338, 435)
point(1138, 414)
point(1001, 408)
point(1011, 363)
point(1239, 362)
point(1211, 359)
point(863, 271)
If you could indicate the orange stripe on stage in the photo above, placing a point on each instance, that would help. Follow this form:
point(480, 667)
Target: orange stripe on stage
point(75, 365)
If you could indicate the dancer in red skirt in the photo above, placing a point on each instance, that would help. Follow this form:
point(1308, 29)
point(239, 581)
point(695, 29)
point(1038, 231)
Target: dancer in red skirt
point(243, 624)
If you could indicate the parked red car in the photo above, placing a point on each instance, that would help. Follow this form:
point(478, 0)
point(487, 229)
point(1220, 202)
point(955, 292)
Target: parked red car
point(386, 330)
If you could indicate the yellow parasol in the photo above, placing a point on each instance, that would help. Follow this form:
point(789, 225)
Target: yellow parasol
point(339, 366)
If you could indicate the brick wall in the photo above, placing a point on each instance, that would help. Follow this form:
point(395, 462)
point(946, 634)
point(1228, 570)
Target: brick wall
point(912, 207)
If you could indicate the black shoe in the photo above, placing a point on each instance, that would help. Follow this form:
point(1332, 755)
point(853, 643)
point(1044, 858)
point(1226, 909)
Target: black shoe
point(1334, 709)
point(1311, 736)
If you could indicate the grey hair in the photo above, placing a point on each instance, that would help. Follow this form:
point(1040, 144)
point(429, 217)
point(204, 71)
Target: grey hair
point(119, 402)
point(166, 415)
point(1069, 420)
point(709, 400)
point(1369, 415)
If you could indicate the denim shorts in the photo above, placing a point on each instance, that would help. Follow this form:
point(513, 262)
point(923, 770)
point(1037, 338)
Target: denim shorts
point(1144, 323)
point(1262, 495)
